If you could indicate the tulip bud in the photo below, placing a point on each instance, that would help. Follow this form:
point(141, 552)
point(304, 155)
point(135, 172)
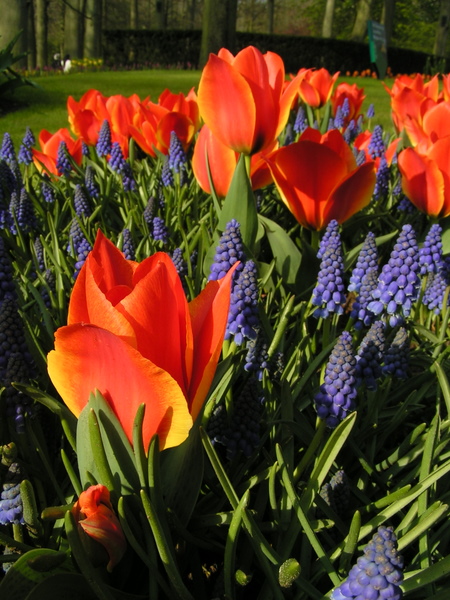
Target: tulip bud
point(98, 524)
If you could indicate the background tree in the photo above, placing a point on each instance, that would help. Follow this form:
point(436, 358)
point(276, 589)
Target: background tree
point(73, 16)
point(387, 19)
point(440, 43)
point(41, 32)
point(134, 12)
point(327, 25)
point(92, 46)
point(362, 16)
point(14, 19)
point(219, 27)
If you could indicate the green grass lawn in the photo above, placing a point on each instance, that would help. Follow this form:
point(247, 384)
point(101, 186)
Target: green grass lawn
point(44, 107)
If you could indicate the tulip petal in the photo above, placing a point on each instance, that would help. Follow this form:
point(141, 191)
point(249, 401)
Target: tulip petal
point(352, 195)
point(422, 181)
point(209, 315)
point(87, 357)
point(227, 105)
point(221, 159)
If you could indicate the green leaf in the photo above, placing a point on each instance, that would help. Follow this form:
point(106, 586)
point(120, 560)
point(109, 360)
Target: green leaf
point(182, 474)
point(240, 204)
point(31, 569)
point(286, 254)
point(70, 586)
point(115, 448)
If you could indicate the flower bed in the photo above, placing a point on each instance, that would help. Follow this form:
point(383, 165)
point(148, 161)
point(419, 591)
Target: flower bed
point(224, 357)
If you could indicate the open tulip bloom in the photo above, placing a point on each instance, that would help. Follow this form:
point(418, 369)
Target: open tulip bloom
point(318, 179)
point(132, 335)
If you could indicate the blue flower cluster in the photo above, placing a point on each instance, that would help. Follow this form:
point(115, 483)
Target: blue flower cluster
point(128, 245)
point(398, 283)
point(104, 143)
point(336, 493)
point(229, 250)
point(243, 317)
point(377, 574)
point(369, 356)
point(328, 295)
point(63, 164)
point(367, 261)
point(396, 357)
point(11, 507)
point(336, 398)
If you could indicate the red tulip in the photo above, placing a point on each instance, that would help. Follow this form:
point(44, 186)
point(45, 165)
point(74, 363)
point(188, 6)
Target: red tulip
point(434, 124)
point(222, 161)
point(316, 86)
point(355, 96)
point(96, 519)
point(46, 157)
point(318, 179)
point(426, 177)
point(132, 335)
point(153, 125)
point(243, 99)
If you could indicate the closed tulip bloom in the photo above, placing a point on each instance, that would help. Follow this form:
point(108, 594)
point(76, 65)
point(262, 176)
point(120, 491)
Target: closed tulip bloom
point(47, 157)
point(132, 335)
point(316, 86)
point(355, 97)
point(243, 98)
point(425, 178)
point(318, 179)
point(96, 518)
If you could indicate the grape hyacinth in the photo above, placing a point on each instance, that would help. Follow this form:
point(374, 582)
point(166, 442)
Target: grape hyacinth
point(243, 317)
point(128, 245)
point(39, 251)
point(47, 191)
point(25, 155)
point(12, 336)
point(229, 250)
point(104, 145)
point(437, 284)
point(257, 358)
point(383, 176)
point(177, 155)
point(378, 574)
point(398, 283)
point(89, 182)
point(7, 151)
point(166, 174)
point(240, 433)
point(369, 356)
point(336, 493)
point(181, 266)
point(80, 202)
point(116, 160)
point(367, 260)
point(18, 404)
point(336, 398)
point(23, 212)
point(376, 145)
point(396, 357)
point(370, 111)
point(430, 254)
point(128, 181)
point(83, 250)
point(160, 231)
point(360, 312)
point(301, 122)
point(149, 210)
point(328, 295)
point(50, 280)
point(331, 234)
point(11, 507)
point(63, 164)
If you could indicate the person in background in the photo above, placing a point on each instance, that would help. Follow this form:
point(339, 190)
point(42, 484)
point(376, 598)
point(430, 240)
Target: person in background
point(67, 64)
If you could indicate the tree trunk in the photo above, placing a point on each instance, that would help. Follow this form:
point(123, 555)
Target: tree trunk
point(73, 29)
point(387, 19)
point(31, 37)
point(14, 19)
point(93, 29)
point(218, 28)
point(327, 24)
point(270, 15)
point(442, 29)
point(160, 14)
point(362, 16)
point(134, 18)
point(40, 27)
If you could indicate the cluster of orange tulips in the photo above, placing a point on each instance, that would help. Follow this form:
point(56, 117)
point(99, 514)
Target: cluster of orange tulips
point(421, 110)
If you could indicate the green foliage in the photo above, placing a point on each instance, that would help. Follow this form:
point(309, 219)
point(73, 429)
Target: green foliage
point(10, 79)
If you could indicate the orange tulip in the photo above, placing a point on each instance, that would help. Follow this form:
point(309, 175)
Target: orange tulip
point(316, 86)
point(46, 158)
point(96, 518)
point(222, 161)
point(152, 127)
point(86, 116)
point(426, 177)
point(318, 179)
point(132, 335)
point(243, 99)
point(355, 96)
point(433, 125)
